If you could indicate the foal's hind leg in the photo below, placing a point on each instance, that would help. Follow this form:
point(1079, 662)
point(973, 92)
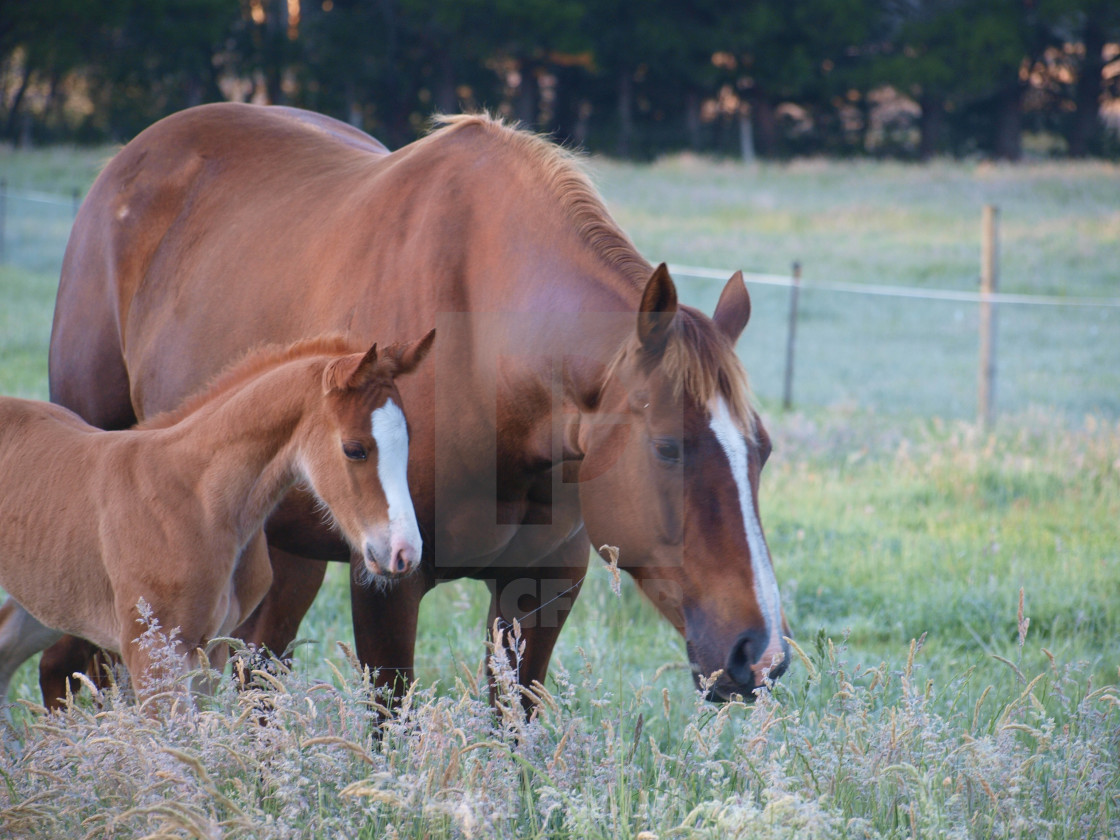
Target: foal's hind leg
point(21, 637)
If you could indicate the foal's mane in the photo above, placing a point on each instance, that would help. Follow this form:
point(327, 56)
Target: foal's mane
point(701, 364)
point(559, 170)
point(254, 363)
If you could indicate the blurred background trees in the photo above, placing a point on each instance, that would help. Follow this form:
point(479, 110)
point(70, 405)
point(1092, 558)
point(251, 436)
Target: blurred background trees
point(636, 78)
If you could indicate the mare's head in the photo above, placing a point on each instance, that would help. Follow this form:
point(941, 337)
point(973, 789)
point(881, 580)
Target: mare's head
point(356, 459)
point(670, 476)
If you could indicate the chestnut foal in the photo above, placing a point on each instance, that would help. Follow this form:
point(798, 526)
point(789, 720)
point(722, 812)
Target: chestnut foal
point(171, 513)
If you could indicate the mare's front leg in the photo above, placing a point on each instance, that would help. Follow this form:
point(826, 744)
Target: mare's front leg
point(21, 637)
point(385, 616)
point(540, 597)
point(67, 656)
point(275, 621)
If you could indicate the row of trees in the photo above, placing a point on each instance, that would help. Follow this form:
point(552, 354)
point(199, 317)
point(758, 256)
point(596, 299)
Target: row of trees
point(633, 77)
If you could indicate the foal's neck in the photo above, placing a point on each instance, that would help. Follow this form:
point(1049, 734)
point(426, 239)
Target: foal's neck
point(246, 442)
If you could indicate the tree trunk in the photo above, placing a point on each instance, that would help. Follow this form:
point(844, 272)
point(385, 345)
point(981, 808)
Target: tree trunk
point(764, 125)
point(447, 100)
point(692, 120)
point(17, 100)
point(527, 95)
point(194, 90)
point(1085, 130)
point(746, 136)
point(275, 35)
point(353, 107)
point(1009, 123)
point(931, 125)
point(625, 113)
point(583, 124)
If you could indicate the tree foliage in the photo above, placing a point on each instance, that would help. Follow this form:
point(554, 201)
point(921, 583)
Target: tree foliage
point(634, 77)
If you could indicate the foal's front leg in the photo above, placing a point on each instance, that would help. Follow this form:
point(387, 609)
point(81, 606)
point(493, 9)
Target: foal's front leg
point(21, 637)
point(156, 661)
point(216, 604)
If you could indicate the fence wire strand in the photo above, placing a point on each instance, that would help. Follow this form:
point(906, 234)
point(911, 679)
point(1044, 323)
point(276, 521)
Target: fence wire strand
point(896, 291)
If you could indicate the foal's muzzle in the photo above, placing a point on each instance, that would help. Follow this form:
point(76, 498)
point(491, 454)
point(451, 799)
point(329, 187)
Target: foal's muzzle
point(400, 556)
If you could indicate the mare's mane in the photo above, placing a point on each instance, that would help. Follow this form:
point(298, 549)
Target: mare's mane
point(560, 172)
point(254, 363)
point(697, 358)
point(701, 364)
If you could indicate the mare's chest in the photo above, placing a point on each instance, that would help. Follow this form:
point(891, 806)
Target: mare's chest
point(511, 526)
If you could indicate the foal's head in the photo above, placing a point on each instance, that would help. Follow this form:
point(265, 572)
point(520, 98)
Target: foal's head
point(671, 478)
point(356, 459)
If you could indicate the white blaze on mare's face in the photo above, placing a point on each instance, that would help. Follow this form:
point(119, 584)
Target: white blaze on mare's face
point(391, 435)
point(734, 445)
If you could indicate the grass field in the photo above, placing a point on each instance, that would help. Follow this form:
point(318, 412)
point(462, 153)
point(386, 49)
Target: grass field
point(892, 519)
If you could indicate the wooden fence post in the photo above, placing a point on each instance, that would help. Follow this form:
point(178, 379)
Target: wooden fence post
point(989, 285)
point(3, 214)
point(791, 337)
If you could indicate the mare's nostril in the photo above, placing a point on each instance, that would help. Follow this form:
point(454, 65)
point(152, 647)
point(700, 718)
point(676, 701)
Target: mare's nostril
point(746, 651)
point(783, 666)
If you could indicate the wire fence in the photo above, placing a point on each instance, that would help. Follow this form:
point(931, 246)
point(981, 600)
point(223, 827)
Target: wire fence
point(897, 349)
point(893, 349)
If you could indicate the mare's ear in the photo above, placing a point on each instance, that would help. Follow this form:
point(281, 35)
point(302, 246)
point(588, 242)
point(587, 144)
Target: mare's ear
point(349, 371)
point(408, 356)
point(734, 308)
point(659, 305)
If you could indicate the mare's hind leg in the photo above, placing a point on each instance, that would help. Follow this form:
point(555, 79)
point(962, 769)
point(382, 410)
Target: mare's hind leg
point(60, 661)
point(21, 637)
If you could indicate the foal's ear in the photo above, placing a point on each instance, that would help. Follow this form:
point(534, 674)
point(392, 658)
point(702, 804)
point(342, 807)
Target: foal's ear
point(408, 356)
point(659, 305)
point(734, 308)
point(349, 371)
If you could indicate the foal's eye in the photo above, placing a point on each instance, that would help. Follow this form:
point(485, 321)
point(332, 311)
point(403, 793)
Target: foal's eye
point(354, 451)
point(667, 450)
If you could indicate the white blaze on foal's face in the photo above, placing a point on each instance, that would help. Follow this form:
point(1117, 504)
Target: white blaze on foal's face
point(734, 446)
point(390, 433)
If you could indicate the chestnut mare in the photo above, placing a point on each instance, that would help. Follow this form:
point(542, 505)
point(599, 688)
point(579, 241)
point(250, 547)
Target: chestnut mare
point(572, 401)
point(171, 513)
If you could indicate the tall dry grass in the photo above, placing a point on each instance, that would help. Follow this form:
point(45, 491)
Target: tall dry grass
point(842, 751)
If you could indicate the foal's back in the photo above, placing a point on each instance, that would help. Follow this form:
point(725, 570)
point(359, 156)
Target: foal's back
point(53, 473)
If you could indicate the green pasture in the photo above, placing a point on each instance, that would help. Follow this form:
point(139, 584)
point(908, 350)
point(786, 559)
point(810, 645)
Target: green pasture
point(891, 516)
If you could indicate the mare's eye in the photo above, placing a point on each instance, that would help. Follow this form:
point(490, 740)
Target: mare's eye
point(667, 450)
point(354, 451)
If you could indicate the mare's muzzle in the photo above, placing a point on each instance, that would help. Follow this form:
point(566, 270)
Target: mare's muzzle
point(744, 672)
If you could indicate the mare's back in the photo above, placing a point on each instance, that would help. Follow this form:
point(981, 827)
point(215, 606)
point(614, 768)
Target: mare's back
point(215, 202)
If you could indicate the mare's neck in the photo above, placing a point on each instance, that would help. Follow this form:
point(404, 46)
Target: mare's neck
point(572, 328)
